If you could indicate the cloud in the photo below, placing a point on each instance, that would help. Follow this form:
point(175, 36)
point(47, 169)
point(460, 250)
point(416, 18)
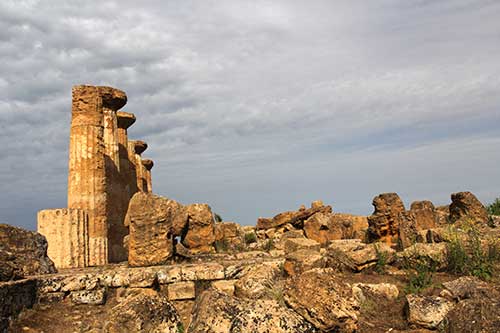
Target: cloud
point(258, 107)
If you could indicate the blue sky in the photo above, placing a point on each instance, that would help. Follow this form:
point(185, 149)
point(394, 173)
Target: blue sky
point(259, 107)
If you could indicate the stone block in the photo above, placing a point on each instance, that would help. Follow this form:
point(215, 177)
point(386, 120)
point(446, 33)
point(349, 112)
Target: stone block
point(206, 271)
point(92, 297)
point(226, 286)
point(181, 290)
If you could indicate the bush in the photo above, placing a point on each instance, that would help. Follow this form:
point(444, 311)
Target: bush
point(250, 237)
point(419, 278)
point(468, 257)
point(221, 246)
point(382, 257)
point(494, 207)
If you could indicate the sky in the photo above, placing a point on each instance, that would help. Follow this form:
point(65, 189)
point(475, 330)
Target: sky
point(257, 107)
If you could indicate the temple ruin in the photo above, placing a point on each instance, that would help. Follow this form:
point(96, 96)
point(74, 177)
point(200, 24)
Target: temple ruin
point(105, 170)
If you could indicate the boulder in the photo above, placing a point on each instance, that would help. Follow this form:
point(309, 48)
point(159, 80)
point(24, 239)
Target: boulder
point(200, 233)
point(303, 260)
point(465, 205)
point(295, 218)
point(217, 312)
point(144, 312)
point(387, 290)
point(23, 253)
point(407, 230)
point(385, 221)
point(257, 281)
point(466, 287)
point(229, 236)
point(295, 244)
point(153, 223)
point(323, 299)
point(92, 297)
point(357, 256)
point(432, 255)
point(425, 214)
point(323, 227)
point(427, 311)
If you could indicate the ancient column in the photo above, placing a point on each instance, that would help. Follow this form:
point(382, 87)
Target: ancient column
point(136, 148)
point(125, 120)
point(66, 231)
point(113, 100)
point(148, 164)
point(87, 188)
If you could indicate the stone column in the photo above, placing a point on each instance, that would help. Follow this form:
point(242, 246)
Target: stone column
point(113, 100)
point(136, 148)
point(125, 120)
point(148, 164)
point(66, 231)
point(87, 185)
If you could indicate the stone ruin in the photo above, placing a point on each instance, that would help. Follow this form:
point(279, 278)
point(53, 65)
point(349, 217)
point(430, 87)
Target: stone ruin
point(105, 170)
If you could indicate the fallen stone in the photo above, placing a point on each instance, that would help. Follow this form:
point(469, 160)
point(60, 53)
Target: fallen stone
point(323, 299)
point(256, 282)
point(386, 290)
point(181, 290)
point(295, 244)
point(295, 218)
point(425, 214)
point(432, 255)
point(356, 255)
point(386, 218)
point(303, 260)
point(92, 297)
point(465, 206)
point(427, 311)
point(226, 286)
point(200, 234)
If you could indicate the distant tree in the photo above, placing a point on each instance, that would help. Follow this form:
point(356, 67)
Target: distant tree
point(494, 207)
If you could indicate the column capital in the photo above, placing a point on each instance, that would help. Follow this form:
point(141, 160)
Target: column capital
point(148, 164)
point(125, 119)
point(112, 98)
point(139, 146)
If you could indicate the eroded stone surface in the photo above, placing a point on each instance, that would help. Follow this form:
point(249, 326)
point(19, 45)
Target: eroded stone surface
point(427, 311)
point(385, 221)
point(200, 234)
point(465, 205)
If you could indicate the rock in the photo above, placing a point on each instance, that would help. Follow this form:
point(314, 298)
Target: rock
point(443, 215)
point(256, 282)
point(153, 222)
point(144, 313)
point(356, 255)
point(217, 312)
point(226, 286)
point(317, 204)
point(295, 218)
point(323, 299)
point(466, 287)
point(303, 260)
point(386, 290)
point(322, 228)
point(427, 311)
point(385, 221)
point(495, 221)
point(269, 316)
point(295, 244)
point(181, 290)
point(432, 255)
point(22, 253)
point(200, 234)
point(425, 214)
point(229, 236)
point(464, 205)
point(92, 297)
point(407, 230)
point(15, 296)
point(203, 271)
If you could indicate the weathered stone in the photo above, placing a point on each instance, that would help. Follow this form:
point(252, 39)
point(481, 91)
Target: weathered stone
point(443, 215)
point(22, 253)
point(226, 286)
point(142, 277)
point(51, 297)
point(217, 312)
point(148, 164)
point(152, 221)
point(296, 218)
point(323, 299)
point(325, 227)
point(80, 282)
point(169, 274)
point(205, 271)
point(200, 234)
point(66, 231)
point(465, 205)
point(15, 296)
point(181, 290)
point(427, 311)
point(92, 297)
point(407, 230)
point(425, 214)
point(386, 290)
point(433, 255)
point(144, 313)
point(386, 218)
point(303, 260)
point(356, 255)
point(295, 244)
point(465, 287)
point(127, 167)
point(256, 282)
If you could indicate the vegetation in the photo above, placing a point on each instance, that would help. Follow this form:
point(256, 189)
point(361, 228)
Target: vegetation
point(221, 246)
point(466, 255)
point(268, 245)
point(250, 237)
point(180, 328)
point(494, 207)
point(382, 257)
point(419, 277)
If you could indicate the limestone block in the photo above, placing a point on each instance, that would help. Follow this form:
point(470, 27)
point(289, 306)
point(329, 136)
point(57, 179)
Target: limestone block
point(427, 311)
point(67, 234)
point(295, 244)
point(226, 286)
point(92, 297)
point(205, 271)
point(181, 290)
point(169, 274)
point(200, 234)
point(148, 165)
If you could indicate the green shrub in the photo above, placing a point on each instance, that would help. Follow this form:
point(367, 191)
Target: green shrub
point(250, 237)
point(221, 246)
point(268, 245)
point(494, 207)
point(468, 257)
point(180, 328)
point(382, 257)
point(419, 277)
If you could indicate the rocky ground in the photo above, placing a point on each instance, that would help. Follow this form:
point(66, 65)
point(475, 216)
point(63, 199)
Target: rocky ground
point(425, 269)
